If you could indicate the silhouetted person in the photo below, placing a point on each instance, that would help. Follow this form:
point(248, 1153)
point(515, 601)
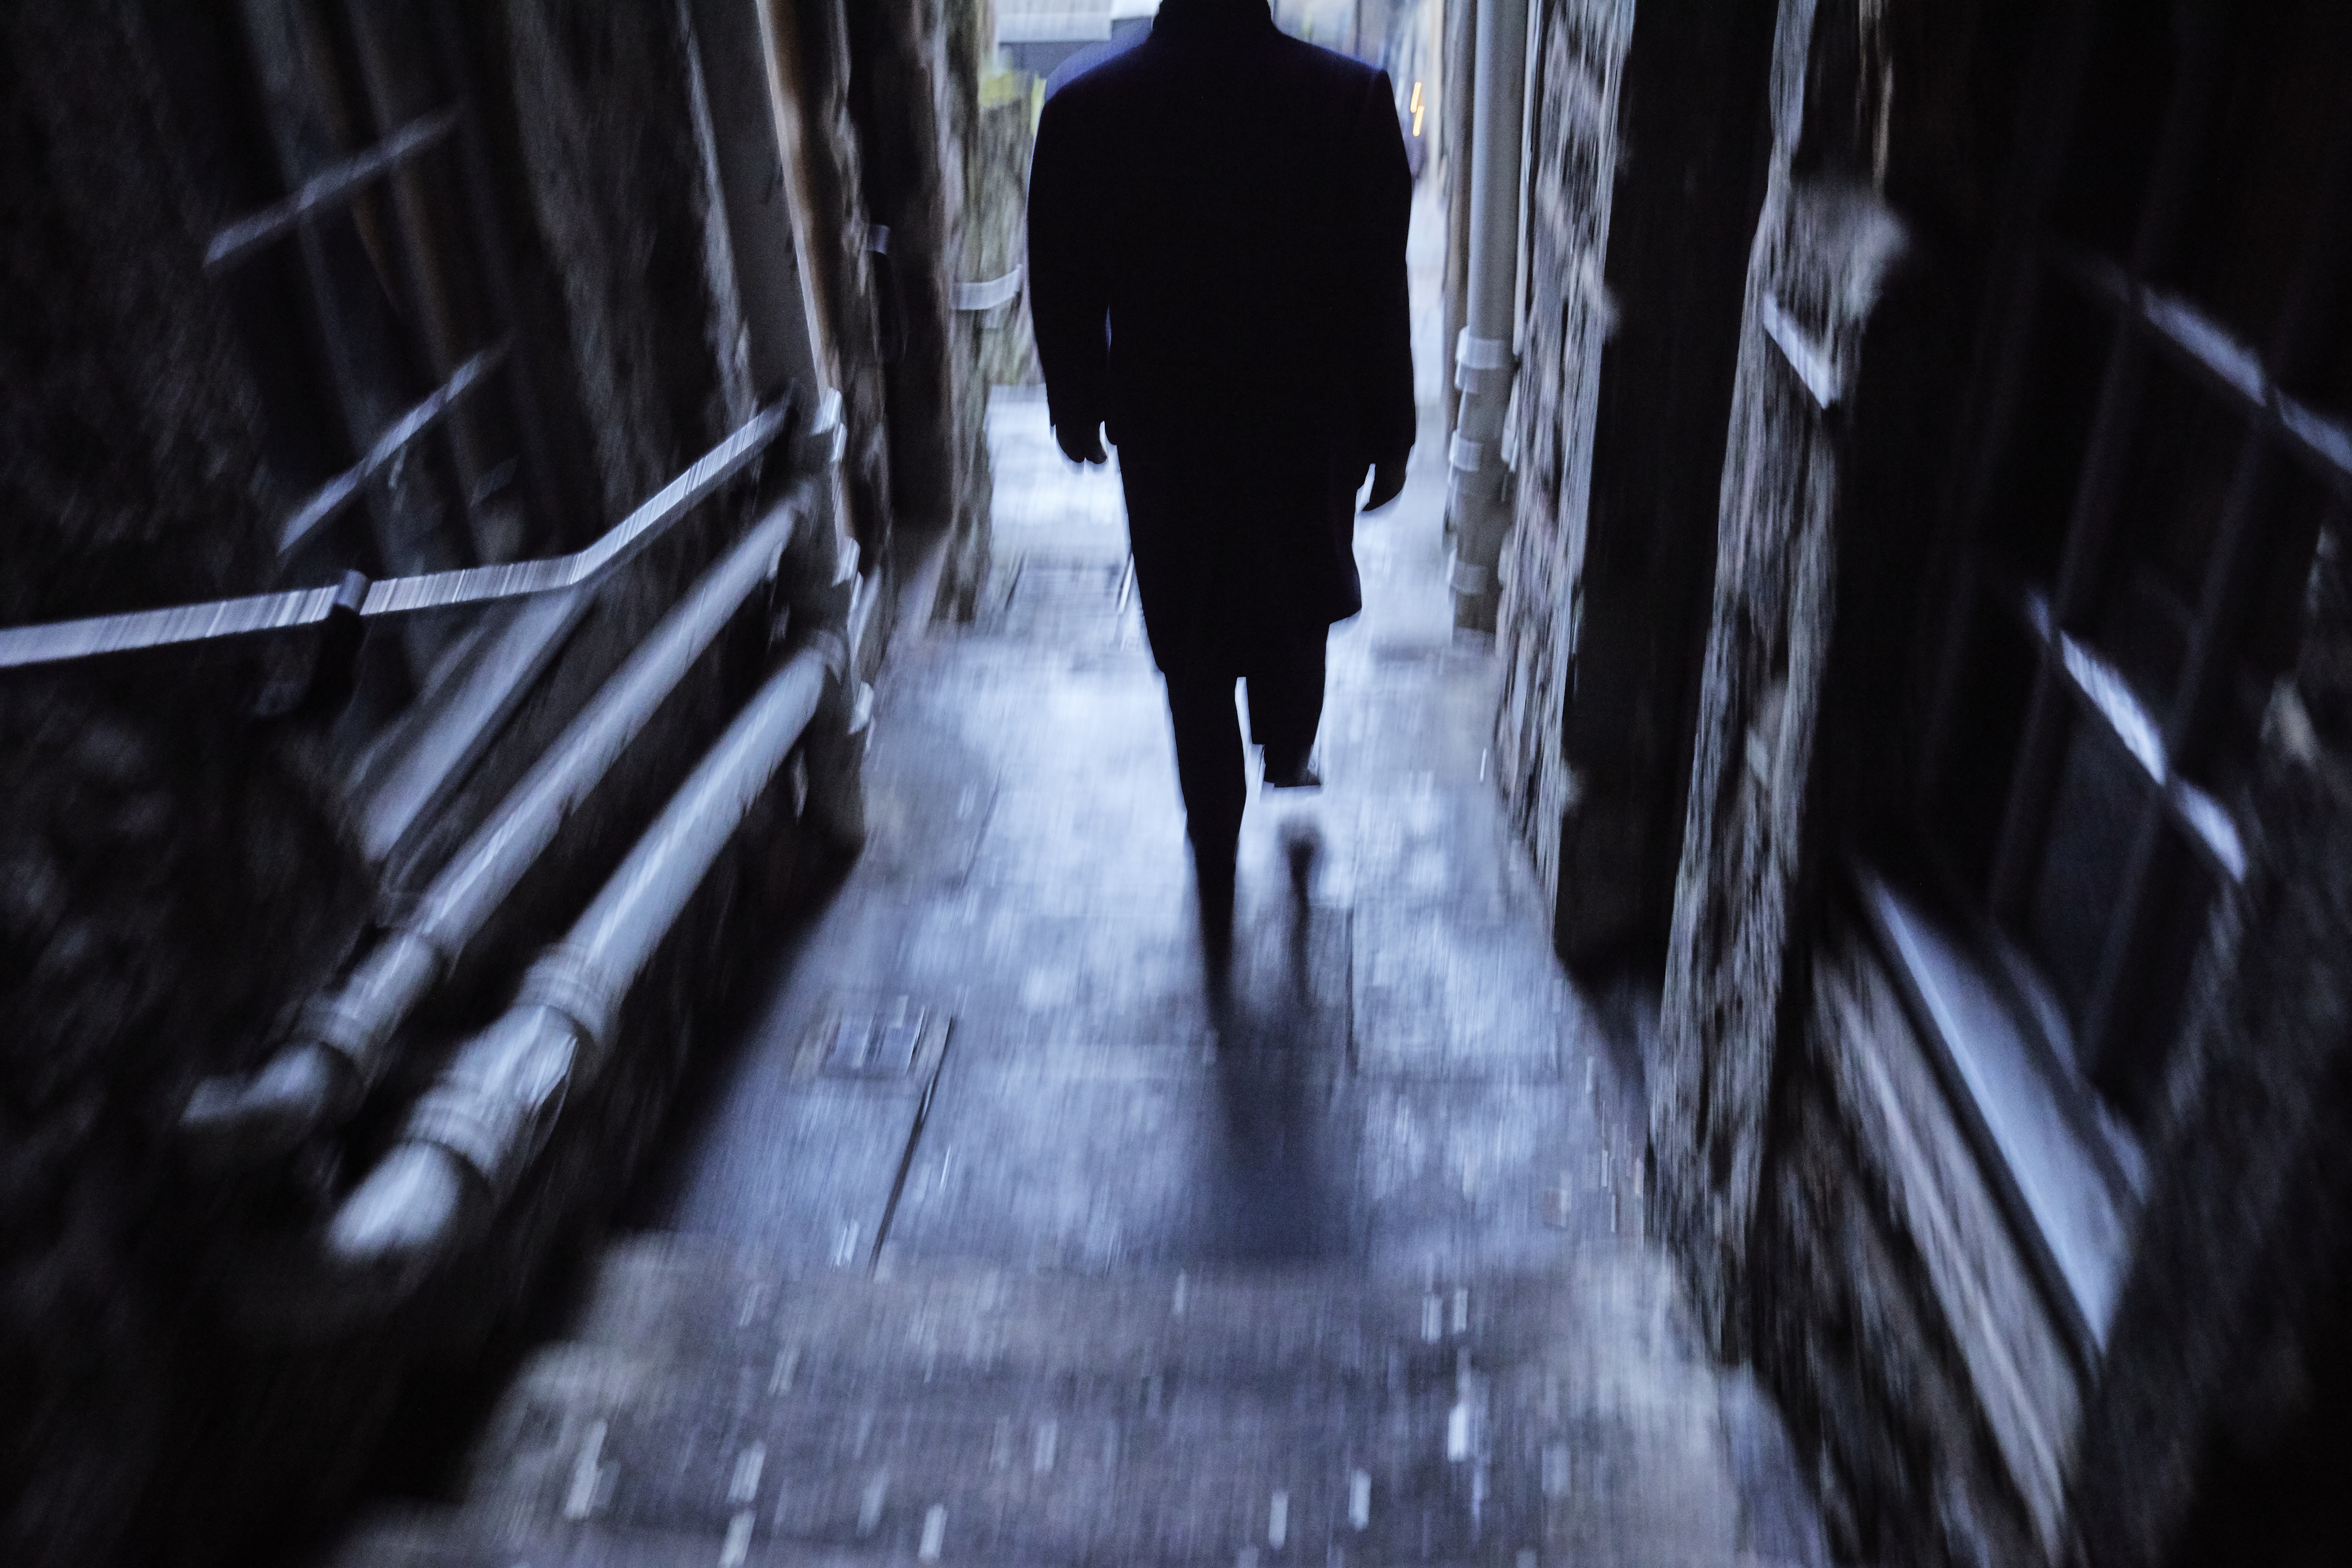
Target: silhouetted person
point(1216, 270)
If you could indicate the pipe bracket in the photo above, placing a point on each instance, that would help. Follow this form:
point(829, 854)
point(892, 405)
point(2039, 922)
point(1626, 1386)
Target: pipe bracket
point(495, 1105)
point(1464, 577)
point(571, 982)
point(1484, 353)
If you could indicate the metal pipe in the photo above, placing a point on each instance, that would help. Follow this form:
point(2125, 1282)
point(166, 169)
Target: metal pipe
point(1477, 498)
point(471, 1136)
point(341, 1049)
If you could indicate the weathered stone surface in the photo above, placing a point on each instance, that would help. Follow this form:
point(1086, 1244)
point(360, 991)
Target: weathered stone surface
point(175, 878)
point(1985, 1328)
point(1866, 1371)
point(2215, 1435)
point(131, 480)
point(168, 869)
point(1458, 105)
point(996, 207)
point(817, 76)
point(913, 94)
point(1628, 482)
point(1822, 246)
point(967, 37)
point(625, 209)
point(1574, 90)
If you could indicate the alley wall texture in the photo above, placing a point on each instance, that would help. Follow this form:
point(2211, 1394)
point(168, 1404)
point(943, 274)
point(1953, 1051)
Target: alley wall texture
point(181, 863)
point(1703, 712)
point(180, 872)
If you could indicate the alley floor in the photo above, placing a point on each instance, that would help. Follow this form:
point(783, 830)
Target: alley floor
point(996, 1240)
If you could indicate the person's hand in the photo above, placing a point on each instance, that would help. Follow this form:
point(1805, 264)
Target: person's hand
point(1081, 442)
point(1388, 481)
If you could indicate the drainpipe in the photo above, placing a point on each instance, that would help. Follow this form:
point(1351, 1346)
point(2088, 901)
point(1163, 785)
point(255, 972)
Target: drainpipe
point(468, 1141)
point(1477, 498)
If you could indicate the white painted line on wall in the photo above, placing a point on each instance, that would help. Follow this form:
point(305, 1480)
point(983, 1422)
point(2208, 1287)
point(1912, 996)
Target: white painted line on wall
point(737, 1550)
point(580, 1499)
point(745, 1486)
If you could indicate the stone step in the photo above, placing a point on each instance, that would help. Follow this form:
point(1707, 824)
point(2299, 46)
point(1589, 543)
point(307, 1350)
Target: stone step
point(1072, 1419)
point(431, 1537)
point(667, 1300)
point(1065, 1491)
point(1066, 1469)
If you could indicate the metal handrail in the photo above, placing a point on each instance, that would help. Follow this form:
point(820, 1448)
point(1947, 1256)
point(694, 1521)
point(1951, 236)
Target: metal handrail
point(995, 291)
point(357, 596)
point(330, 189)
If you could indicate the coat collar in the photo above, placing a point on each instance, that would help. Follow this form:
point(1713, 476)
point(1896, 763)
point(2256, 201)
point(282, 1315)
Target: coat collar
point(1197, 18)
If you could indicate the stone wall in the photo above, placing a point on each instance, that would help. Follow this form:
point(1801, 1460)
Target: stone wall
point(1648, 180)
point(1889, 1307)
point(817, 77)
point(913, 95)
point(175, 873)
point(996, 183)
point(1833, 1219)
point(1819, 1174)
point(1836, 1223)
point(1575, 79)
point(2217, 1434)
point(966, 39)
point(1456, 105)
point(171, 868)
point(1717, 533)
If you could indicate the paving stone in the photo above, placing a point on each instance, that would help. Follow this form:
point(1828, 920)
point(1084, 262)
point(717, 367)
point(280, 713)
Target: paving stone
point(1438, 997)
point(1343, 1259)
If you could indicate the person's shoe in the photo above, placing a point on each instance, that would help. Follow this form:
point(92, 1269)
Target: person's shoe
point(1295, 776)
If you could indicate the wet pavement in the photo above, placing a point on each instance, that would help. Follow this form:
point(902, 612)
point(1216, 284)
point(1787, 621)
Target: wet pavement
point(1391, 1079)
point(999, 1238)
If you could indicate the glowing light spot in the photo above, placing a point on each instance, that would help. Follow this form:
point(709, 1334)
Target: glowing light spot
point(1416, 108)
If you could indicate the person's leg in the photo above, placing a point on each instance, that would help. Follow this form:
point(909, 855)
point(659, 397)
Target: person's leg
point(1209, 766)
point(1210, 771)
point(1285, 705)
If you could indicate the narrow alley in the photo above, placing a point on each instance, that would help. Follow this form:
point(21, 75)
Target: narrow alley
point(602, 960)
point(1000, 1238)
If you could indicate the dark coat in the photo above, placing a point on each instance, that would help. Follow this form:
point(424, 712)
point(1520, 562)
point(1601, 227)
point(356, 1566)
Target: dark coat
point(1216, 271)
